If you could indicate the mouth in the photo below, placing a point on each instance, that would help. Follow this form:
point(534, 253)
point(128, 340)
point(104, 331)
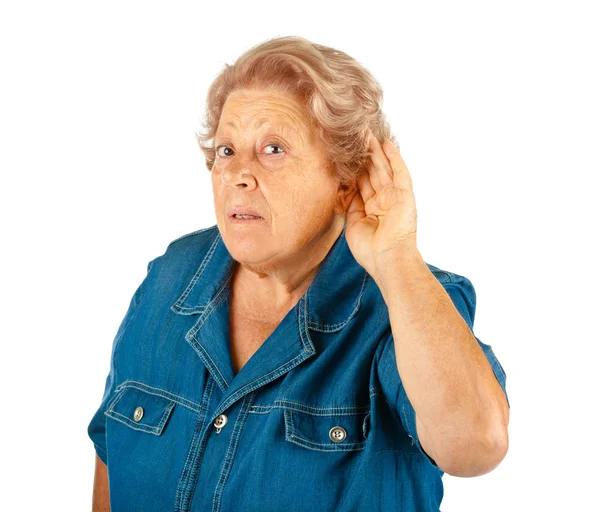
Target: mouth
point(244, 219)
point(238, 216)
point(243, 214)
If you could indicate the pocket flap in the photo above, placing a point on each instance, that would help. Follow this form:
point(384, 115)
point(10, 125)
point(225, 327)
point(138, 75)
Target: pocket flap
point(326, 431)
point(140, 410)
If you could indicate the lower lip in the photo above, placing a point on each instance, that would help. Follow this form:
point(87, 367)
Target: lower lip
point(237, 220)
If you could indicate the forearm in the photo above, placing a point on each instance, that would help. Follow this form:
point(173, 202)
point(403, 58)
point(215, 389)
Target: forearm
point(446, 375)
point(100, 495)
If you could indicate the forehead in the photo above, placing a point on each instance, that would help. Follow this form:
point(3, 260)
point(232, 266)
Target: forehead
point(255, 110)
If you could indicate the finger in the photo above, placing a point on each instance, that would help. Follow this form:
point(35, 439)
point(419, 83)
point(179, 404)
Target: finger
point(381, 174)
point(364, 185)
point(401, 176)
point(356, 209)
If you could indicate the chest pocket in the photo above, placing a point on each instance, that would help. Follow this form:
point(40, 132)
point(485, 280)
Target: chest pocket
point(141, 410)
point(325, 430)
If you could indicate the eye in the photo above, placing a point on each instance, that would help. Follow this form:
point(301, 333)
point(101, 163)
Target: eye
point(275, 146)
point(224, 147)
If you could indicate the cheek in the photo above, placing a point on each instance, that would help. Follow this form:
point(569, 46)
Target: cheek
point(318, 192)
point(216, 191)
point(215, 174)
point(301, 204)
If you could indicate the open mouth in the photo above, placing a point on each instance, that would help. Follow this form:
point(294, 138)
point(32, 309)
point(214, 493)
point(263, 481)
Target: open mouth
point(236, 216)
point(244, 219)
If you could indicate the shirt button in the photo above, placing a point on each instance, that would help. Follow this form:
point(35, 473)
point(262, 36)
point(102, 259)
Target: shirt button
point(220, 421)
point(337, 434)
point(138, 413)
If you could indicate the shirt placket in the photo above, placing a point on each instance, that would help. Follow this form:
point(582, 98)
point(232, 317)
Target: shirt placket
point(212, 452)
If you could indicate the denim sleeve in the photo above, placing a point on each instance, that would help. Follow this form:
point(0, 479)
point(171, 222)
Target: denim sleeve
point(97, 427)
point(462, 293)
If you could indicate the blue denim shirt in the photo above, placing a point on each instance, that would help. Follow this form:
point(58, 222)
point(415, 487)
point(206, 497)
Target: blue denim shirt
point(316, 420)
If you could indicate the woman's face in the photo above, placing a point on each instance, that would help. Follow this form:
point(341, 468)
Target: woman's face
point(267, 160)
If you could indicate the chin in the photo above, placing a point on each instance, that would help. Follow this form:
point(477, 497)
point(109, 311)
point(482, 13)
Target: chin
point(243, 247)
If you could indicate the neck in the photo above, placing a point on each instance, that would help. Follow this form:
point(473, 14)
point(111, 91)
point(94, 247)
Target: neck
point(279, 286)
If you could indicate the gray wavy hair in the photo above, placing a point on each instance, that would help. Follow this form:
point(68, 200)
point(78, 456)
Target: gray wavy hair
point(342, 98)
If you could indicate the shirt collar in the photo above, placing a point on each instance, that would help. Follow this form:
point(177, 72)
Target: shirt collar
point(333, 297)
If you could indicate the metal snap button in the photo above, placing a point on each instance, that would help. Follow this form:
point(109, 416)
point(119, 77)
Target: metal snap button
point(337, 434)
point(138, 413)
point(220, 421)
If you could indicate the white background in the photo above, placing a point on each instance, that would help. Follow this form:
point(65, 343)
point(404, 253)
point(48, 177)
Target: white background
point(496, 109)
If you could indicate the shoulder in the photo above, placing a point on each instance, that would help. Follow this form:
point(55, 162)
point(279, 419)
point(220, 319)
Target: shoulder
point(445, 276)
point(185, 251)
point(196, 238)
point(453, 282)
point(195, 242)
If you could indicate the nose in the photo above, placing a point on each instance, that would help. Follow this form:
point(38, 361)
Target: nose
point(238, 173)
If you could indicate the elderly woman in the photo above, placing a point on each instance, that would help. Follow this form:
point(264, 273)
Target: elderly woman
point(299, 355)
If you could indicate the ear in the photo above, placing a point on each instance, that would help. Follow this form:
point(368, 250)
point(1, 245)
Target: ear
point(345, 194)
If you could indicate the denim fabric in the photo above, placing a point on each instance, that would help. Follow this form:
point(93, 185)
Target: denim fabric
point(317, 419)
